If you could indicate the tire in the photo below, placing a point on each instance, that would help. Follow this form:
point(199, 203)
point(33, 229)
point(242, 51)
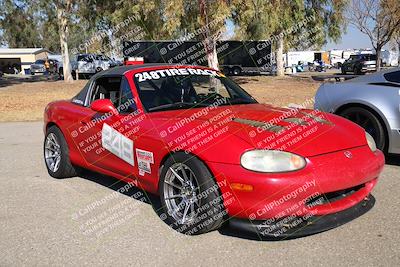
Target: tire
point(370, 122)
point(357, 70)
point(343, 70)
point(227, 71)
point(56, 154)
point(200, 199)
point(236, 71)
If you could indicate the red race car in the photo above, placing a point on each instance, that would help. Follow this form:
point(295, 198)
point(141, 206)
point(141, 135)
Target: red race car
point(214, 154)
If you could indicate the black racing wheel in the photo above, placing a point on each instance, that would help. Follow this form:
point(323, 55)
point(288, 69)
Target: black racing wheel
point(370, 122)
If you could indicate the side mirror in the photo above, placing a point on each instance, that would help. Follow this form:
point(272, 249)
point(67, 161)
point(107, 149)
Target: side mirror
point(103, 106)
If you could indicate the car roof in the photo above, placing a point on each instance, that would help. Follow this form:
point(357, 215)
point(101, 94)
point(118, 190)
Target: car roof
point(121, 70)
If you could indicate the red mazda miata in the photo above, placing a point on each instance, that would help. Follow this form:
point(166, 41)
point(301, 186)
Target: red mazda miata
point(214, 154)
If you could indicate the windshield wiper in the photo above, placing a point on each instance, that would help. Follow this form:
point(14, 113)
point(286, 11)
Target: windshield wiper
point(178, 105)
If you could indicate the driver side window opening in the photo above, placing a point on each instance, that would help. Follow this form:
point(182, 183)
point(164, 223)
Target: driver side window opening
point(116, 89)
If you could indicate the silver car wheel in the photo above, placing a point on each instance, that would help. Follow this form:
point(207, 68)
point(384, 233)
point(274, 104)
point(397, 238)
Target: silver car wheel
point(181, 193)
point(52, 152)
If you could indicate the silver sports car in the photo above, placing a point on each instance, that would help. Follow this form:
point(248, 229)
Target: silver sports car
point(371, 101)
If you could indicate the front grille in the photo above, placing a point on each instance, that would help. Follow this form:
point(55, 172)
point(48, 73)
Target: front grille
point(332, 196)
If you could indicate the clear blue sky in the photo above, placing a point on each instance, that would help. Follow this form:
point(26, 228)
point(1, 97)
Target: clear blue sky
point(353, 38)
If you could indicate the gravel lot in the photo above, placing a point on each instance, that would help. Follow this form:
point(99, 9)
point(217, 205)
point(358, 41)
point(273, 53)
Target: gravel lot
point(40, 223)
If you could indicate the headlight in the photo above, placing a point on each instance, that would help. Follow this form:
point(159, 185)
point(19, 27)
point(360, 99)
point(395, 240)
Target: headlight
point(370, 141)
point(271, 161)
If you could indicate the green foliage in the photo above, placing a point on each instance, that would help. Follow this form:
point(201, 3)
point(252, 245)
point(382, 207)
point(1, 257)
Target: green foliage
point(18, 25)
point(304, 23)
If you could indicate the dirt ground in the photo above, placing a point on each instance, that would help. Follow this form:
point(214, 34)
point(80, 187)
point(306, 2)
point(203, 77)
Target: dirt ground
point(25, 100)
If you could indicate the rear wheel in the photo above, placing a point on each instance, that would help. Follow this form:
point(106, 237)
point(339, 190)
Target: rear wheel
point(56, 154)
point(369, 121)
point(236, 71)
point(189, 195)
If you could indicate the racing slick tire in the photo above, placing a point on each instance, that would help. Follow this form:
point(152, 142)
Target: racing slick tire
point(56, 154)
point(369, 121)
point(190, 197)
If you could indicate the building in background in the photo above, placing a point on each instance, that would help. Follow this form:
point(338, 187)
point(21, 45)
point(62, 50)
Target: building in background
point(14, 60)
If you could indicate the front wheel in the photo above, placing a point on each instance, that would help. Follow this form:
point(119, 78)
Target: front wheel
point(369, 121)
point(56, 154)
point(189, 195)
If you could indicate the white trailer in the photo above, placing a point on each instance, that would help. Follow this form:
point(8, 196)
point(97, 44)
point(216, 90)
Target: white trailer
point(293, 58)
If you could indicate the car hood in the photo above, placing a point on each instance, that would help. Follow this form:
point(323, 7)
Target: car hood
point(304, 132)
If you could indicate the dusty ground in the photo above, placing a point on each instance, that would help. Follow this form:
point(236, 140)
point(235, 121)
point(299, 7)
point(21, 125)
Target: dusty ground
point(279, 91)
point(25, 100)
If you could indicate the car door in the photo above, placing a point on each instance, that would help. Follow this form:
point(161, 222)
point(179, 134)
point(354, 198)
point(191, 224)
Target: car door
point(102, 142)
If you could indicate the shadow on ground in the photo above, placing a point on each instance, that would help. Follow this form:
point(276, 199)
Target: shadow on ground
point(8, 80)
point(154, 201)
point(11, 79)
point(393, 160)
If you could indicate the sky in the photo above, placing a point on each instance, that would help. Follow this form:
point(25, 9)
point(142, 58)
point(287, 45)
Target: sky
point(352, 38)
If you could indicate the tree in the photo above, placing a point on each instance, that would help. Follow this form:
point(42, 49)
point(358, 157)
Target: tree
point(18, 25)
point(285, 23)
point(64, 9)
point(202, 20)
point(379, 19)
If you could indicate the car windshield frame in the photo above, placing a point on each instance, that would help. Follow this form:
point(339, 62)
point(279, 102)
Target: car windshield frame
point(225, 81)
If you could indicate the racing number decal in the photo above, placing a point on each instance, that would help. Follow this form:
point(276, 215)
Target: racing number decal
point(117, 143)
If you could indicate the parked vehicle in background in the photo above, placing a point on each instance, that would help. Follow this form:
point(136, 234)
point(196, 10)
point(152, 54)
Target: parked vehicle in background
point(359, 64)
point(39, 66)
point(133, 61)
point(89, 64)
point(235, 57)
point(371, 101)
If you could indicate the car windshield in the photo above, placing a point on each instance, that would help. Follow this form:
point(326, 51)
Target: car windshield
point(369, 57)
point(180, 88)
point(39, 61)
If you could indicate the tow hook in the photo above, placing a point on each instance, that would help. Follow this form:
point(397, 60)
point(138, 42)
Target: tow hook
point(365, 201)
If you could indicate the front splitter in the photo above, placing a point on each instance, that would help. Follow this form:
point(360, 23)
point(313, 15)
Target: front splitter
point(259, 229)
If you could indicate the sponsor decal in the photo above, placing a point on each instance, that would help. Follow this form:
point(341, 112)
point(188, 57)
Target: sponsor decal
point(144, 159)
point(117, 143)
point(157, 74)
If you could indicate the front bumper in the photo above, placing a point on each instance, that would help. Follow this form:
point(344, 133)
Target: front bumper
point(368, 68)
point(299, 226)
point(283, 195)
